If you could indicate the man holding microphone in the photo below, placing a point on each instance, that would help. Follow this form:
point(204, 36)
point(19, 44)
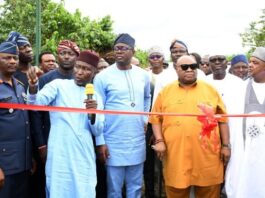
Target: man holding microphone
point(70, 167)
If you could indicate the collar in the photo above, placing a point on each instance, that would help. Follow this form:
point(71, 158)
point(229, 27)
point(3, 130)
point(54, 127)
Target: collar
point(187, 87)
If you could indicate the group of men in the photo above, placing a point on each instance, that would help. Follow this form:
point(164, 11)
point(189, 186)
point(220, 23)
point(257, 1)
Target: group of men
point(64, 143)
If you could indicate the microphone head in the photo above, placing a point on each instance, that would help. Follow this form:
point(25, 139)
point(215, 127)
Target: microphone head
point(89, 89)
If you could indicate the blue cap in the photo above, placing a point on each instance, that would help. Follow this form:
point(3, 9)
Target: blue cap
point(126, 39)
point(18, 38)
point(9, 47)
point(239, 58)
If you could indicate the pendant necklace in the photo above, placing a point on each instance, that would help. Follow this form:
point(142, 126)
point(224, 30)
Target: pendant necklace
point(130, 87)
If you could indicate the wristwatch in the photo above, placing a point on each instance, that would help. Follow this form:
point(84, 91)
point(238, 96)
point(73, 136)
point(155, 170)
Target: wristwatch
point(227, 145)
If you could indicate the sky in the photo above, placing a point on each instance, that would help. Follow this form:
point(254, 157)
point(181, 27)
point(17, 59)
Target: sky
point(206, 26)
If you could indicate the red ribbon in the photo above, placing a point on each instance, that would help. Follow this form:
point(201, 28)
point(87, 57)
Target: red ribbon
point(208, 119)
point(80, 110)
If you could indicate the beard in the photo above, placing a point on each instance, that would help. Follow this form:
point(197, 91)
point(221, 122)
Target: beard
point(23, 58)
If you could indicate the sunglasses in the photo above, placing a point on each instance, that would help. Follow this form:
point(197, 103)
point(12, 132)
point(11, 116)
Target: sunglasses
point(155, 56)
point(219, 59)
point(185, 67)
point(121, 48)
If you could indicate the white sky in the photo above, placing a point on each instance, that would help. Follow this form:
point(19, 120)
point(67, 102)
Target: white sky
point(206, 26)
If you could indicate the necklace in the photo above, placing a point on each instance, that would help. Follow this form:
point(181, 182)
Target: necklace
point(130, 87)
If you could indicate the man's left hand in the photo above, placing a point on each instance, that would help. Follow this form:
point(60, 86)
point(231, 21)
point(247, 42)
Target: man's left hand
point(225, 155)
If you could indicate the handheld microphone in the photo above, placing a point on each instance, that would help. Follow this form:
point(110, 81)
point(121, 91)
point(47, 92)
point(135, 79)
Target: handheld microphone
point(90, 92)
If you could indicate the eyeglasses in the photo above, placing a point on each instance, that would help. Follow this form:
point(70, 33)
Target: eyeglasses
point(185, 67)
point(121, 48)
point(155, 56)
point(204, 63)
point(219, 59)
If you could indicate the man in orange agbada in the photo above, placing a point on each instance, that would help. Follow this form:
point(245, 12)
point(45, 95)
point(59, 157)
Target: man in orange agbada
point(187, 162)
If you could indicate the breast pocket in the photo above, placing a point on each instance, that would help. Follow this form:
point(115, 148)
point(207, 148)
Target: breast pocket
point(4, 111)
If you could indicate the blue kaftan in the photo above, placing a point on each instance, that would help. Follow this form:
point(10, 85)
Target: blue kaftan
point(124, 90)
point(70, 167)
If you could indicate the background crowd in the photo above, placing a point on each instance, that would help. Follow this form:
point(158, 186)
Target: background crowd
point(59, 154)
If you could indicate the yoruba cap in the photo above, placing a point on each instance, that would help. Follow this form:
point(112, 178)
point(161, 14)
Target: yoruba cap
point(9, 47)
point(239, 58)
point(89, 57)
point(259, 53)
point(126, 39)
point(67, 44)
point(155, 49)
point(18, 38)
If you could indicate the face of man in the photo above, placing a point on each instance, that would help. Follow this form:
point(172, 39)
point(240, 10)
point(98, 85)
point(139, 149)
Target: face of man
point(123, 54)
point(47, 63)
point(67, 59)
point(205, 66)
point(256, 68)
point(25, 54)
point(218, 65)
point(156, 60)
point(240, 69)
point(8, 63)
point(186, 68)
point(83, 73)
point(177, 51)
point(101, 66)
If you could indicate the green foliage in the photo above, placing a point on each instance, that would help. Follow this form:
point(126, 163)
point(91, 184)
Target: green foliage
point(142, 56)
point(57, 24)
point(255, 35)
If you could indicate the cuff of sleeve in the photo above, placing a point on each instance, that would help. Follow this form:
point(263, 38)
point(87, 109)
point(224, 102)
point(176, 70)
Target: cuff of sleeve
point(146, 119)
point(100, 140)
point(31, 98)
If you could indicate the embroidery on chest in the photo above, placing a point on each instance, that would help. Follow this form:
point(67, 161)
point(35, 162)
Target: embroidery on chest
point(255, 127)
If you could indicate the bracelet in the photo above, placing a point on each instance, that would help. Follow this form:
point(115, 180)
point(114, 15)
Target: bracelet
point(158, 141)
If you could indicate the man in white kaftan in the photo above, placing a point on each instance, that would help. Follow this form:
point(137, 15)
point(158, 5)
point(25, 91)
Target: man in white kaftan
point(252, 176)
point(230, 89)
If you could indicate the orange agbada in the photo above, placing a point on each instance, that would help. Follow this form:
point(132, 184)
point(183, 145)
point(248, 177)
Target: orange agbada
point(186, 162)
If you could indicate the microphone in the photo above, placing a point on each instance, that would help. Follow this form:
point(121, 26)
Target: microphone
point(90, 92)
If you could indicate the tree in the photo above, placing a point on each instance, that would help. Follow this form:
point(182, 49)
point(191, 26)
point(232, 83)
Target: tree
point(255, 35)
point(57, 24)
point(142, 56)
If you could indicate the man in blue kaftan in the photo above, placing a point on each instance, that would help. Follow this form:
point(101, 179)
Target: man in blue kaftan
point(123, 87)
point(70, 167)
